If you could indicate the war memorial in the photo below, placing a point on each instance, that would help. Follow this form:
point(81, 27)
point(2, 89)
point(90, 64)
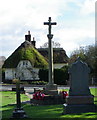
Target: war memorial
point(79, 99)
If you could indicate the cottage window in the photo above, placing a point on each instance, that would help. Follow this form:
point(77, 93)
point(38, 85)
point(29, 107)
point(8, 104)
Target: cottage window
point(19, 65)
point(26, 63)
point(15, 75)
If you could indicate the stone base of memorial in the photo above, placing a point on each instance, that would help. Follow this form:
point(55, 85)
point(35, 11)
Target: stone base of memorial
point(79, 104)
point(51, 89)
point(81, 108)
point(48, 100)
point(48, 96)
point(19, 113)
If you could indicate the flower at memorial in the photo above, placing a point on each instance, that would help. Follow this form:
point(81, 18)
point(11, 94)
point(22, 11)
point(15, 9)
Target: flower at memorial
point(38, 95)
point(64, 93)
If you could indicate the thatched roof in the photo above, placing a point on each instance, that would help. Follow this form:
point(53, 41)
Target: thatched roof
point(59, 55)
point(25, 51)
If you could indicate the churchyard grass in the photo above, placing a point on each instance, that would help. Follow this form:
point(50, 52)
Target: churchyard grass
point(9, 97)
point(8, 101)
point(49, 111)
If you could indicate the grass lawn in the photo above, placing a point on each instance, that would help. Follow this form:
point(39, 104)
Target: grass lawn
point(49, 111)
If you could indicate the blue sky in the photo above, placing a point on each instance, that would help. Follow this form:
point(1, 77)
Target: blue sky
point(75, 23)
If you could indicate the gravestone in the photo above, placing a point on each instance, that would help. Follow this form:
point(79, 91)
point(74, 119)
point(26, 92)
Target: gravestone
point(79, 73)
point(80, 99)
point(18, 112)
point(21, 89)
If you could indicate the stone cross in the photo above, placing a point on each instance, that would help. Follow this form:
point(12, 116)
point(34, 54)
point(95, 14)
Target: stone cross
point(50, 50)
point(18, 112)
point(18, 94)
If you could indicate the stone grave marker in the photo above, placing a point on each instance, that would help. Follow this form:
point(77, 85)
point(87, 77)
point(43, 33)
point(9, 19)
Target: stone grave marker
point(80, 99)
point(79, 73)
point(18, 112)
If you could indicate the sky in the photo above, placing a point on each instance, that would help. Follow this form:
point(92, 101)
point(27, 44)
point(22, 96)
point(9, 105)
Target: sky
point(75, 23)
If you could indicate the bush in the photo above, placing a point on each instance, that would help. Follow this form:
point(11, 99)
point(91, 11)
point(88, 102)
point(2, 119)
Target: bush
point(43, 75)
point(60, 75)
point(39, 83)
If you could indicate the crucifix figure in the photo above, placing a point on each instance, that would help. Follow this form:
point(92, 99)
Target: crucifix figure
point(50, 50)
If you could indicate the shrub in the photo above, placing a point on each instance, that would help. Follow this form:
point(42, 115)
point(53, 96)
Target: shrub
point(60, 75)
point(39, 82)
point(43, 75)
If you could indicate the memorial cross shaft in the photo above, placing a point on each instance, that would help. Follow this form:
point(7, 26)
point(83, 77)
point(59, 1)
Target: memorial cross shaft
point(50, 50)
point(18, 112)
point(18, 95)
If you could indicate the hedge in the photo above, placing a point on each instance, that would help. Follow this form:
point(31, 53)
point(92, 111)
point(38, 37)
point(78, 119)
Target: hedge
point(60, 75)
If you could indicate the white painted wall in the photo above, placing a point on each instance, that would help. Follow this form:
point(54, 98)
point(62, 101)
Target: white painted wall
point(10, 73)
point(59, 66)
point(24, 71)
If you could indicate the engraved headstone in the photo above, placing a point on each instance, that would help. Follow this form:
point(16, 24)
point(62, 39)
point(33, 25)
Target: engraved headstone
point(79, 73)
point(80, 99)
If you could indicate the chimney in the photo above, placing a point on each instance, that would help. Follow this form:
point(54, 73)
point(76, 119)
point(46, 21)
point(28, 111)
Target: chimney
point(33, 42)
point(28, 37)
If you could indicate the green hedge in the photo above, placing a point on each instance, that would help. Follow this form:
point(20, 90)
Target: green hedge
point(60, 75)
point(43, 75)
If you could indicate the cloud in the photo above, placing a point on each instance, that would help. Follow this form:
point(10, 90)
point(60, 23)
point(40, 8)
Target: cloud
point(74, 26)
point(88, 7)
point(72, 38)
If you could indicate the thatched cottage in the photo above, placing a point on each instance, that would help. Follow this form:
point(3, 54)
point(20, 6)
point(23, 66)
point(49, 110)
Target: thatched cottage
point(24, 63)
